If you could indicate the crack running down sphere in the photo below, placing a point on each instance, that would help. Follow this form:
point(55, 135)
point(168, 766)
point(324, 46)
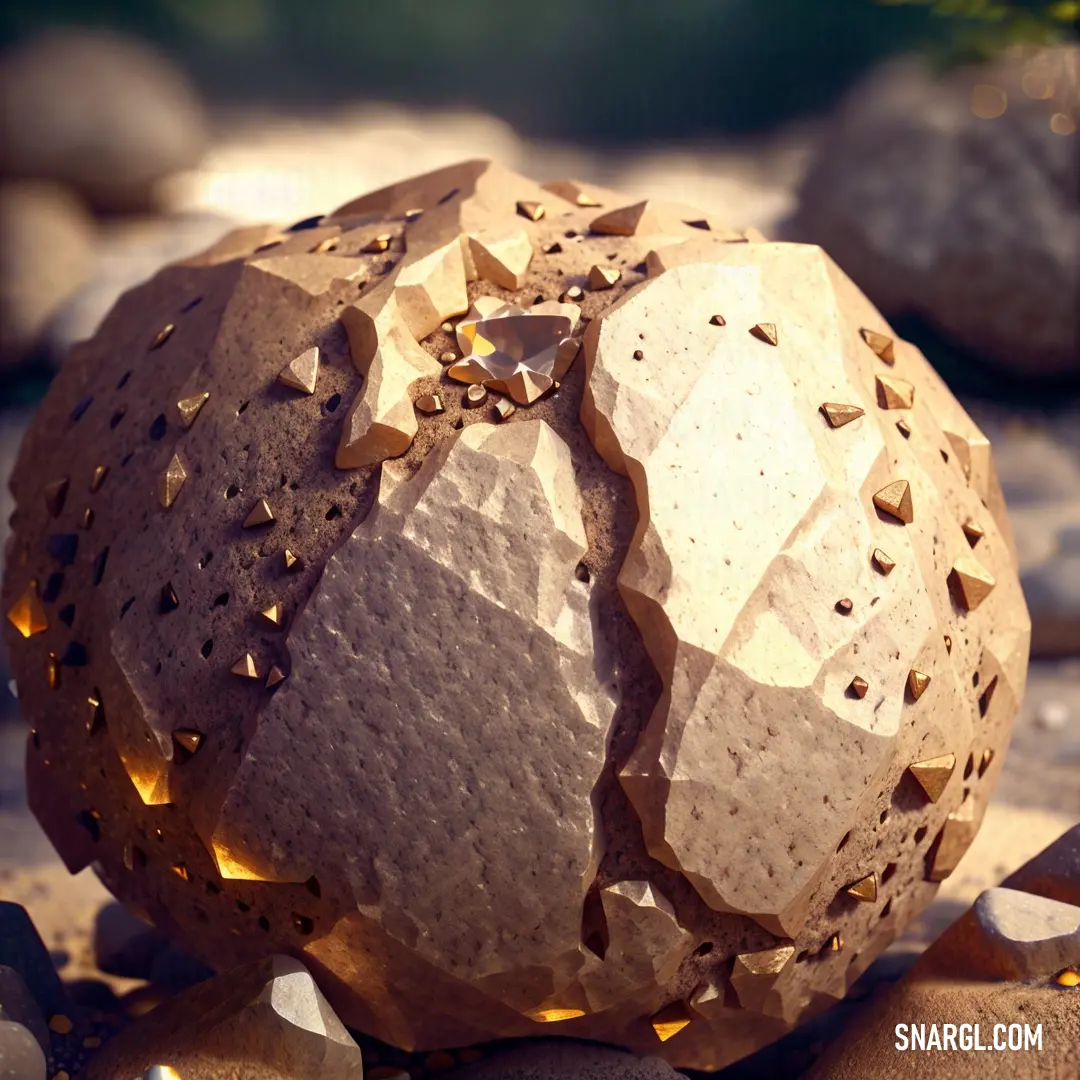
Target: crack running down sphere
point(535, 610)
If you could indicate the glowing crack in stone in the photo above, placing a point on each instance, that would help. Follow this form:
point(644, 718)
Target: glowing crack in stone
point(516, 352)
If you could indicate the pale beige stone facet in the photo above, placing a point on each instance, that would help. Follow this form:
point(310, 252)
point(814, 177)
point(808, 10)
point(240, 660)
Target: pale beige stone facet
point(302, 373)
point(544, 718)
point(1033, 936)
point(502, 258)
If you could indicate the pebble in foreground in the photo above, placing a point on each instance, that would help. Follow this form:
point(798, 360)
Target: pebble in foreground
point(643, 701)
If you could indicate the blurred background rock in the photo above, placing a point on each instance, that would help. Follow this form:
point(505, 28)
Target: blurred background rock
point(936, 157)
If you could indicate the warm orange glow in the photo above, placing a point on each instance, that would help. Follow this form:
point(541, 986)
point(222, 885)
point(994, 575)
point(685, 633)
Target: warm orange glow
point(552, 1016)
point(988, 102)
point(1062, 124)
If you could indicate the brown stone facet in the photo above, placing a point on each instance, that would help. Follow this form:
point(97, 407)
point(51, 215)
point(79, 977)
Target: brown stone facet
point(883, 562)
point(603, 277)
point(189, 740)
point(55, 495)
point(502, 258)
point(429, 404)
point(534, 211)
point(858, 687)
point(245, 667)
point(839, 415)
point(934, 774)
point(973, 532)
point(895, 500)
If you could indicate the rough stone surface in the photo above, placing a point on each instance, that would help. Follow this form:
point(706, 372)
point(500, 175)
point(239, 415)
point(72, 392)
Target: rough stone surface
point(18, 1006)
point(970, 222)
point(961, 981)
point(21, 1057)
point(106, 115)
point(46, 254)
point(1032, 936)
point(262, 1021)
point(517, 752)
point(1053, 873)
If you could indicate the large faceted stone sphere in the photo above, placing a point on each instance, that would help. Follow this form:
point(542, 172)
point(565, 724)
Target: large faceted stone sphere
point(534, 610)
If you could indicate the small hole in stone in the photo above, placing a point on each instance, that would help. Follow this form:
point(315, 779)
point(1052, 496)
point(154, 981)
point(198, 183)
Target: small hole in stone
point(207, 648)
point(313, 886)
point(332, 402)
point(127, 603)
point(704, 949)
point(243, 408)
point(242, 907)
point(264, 923)
point(90, 823)
point(99, 566)
point(882, 817)
point(212, 889)
point(138, 857)
point(126, 458)
point(969, 768)
point(123, 380)
point(458, 424)
point(67, 614)
point(117, 417)
point(885, 910)
point(303, 924)
point(920, 834)
point(802, 956)
point(157, 668)
point(191, 304)
point(221, 599)
point(843, 843)
point(204, 562)
point(53, 587)
point(157, 428)
point(975, 679)
point(944, 457)
point(333, 512)
point(888, 872)
point(169, 600)
point(232, 491)
point(581, 572)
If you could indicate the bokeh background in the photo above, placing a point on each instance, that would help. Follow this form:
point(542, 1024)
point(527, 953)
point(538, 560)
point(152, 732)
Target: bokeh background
point(930, 147)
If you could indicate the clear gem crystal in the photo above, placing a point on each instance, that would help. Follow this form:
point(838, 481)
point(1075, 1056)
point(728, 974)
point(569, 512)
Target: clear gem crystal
point(515, 351)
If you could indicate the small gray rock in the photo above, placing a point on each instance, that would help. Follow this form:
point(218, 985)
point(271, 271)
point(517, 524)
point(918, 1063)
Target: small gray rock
point(17, 1006)
point(46, 255)
point(1052, 715)
point(1052, 591)
point(20, 1056)
point(556, 1059)
point(1035, 937)
point(105, 114)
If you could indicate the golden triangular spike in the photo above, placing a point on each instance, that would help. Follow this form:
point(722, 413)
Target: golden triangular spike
point(839, 415)
point(894, 393)
point(885, 563)
point(669, 1021)
point(718, 320)
point(835, 943)
point(260, 514)
point(380, 243)
point(917, 682)
point(895, 500)
point(882, 345)
point(933, 774)
point(293, 562)
point(534, 211)
point(765, 331)
point(188, 408)
point(172, 480)
point(162, 336)
point(603, 277)
point(626, 221)
point(865, 889)
point(971, 582)
point(27, 614)
point(274, 614)
point(303, 372)
point(973, 533)
point(245, 667)
point(55, 494)
point(276, 675)
point(100, 472)
point(189, 739)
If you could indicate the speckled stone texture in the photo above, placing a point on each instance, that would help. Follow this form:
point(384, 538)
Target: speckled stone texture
point(647, 711)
